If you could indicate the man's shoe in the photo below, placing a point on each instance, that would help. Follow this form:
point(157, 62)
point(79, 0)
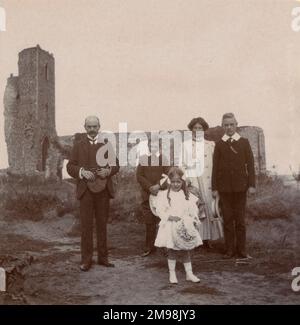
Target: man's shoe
point(106, 264)
point(146, 253)
point(85, 267)
point(243, 255)
point(229, 254)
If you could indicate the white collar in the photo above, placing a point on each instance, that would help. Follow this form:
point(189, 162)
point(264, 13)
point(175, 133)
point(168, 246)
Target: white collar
point(235, 137)
point(92, 139)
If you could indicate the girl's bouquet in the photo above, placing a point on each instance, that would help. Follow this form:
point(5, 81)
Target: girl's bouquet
point(186, 233)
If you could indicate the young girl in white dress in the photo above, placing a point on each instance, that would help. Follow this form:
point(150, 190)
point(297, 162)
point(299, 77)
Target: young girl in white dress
point(179, 226)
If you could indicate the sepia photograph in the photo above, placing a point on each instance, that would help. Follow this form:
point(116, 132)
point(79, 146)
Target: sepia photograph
point(149, 154)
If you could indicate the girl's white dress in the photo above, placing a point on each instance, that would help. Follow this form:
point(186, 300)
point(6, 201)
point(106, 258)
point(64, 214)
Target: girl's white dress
point(187, 210)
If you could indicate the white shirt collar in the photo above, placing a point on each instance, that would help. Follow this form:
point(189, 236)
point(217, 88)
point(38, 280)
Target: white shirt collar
point(92, 139)
point(235, 137)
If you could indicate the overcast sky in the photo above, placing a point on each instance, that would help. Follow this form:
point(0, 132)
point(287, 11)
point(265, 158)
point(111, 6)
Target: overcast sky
point(156, 64)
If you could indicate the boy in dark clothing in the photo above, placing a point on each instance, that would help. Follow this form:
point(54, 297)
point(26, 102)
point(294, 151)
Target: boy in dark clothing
point(149, 179)
point(233, 175)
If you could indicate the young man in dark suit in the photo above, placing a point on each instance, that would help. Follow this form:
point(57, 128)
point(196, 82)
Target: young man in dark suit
point(233, 175)
point(94, 190)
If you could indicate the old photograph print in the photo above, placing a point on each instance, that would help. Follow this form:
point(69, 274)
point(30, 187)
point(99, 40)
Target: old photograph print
point(149, 152)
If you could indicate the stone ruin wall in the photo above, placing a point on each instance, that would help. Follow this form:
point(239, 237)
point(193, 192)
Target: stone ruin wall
point(29, 111)
point(33, 145)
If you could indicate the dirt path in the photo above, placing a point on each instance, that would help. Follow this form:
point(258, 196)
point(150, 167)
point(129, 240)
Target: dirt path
point(54, 277)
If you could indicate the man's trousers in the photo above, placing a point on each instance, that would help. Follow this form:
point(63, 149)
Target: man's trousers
point(233, 209)
point(94, 206)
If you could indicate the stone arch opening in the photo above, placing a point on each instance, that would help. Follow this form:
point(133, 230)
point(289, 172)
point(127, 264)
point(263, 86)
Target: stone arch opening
point(45, 150)
point(64, 172)
point(46, 71)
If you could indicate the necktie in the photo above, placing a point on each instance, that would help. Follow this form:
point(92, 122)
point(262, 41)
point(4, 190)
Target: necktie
point(230, 141)
point(93, 141)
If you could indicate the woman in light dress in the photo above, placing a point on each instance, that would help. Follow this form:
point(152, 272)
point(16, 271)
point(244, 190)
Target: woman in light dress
point(197, 161)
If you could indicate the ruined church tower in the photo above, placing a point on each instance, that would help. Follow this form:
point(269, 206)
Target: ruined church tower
point(29, 109)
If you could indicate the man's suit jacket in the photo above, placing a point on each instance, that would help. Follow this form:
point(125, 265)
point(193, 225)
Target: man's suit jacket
point(233, 166)
point(79, 159)
point(148, 176)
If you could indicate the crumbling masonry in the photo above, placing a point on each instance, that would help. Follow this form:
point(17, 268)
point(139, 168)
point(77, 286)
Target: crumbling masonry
point(29, 108)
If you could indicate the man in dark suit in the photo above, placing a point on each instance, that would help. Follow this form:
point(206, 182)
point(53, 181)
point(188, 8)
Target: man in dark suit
point(94, 190)
point(233, 175)
point(148, 176)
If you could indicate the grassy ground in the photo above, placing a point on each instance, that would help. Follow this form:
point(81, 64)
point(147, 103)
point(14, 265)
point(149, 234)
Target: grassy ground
point(52, 276)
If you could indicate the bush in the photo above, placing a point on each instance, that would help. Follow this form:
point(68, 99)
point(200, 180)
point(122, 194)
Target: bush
point(30, 206)
point(33, 198)
point(273, 200)
point(268, 186)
